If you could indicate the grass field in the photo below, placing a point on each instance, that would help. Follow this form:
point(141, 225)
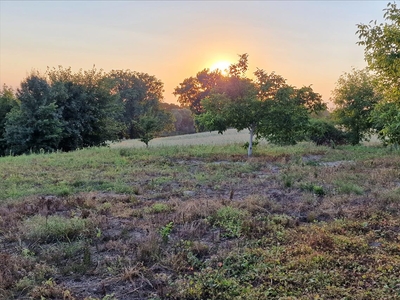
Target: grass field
point(205, 138)
point(193, 218)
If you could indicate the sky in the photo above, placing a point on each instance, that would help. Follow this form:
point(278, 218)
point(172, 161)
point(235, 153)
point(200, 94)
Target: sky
point(306, 42)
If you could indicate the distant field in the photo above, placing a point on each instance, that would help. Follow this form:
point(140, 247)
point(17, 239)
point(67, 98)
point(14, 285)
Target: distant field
point(231, 136)
point(203, 138)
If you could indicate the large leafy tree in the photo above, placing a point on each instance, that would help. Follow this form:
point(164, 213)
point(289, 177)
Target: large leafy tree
point(90, 111)
point(355, 97)
point(140, 94)
point(382, 53)
point(35, 125)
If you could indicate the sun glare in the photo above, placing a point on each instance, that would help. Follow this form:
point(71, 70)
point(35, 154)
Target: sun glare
point(223, 66)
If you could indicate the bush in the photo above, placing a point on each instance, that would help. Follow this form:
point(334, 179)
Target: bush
point(323, 132)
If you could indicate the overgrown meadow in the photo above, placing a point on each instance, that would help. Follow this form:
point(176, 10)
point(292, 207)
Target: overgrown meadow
point(201, 222)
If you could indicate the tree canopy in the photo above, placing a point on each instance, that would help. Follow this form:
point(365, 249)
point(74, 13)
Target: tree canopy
point(194, 89)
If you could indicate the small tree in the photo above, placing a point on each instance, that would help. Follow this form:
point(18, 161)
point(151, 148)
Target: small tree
point(151, 124)
point(286, 120)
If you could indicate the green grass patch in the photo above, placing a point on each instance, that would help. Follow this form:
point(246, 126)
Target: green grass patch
point(55, 228)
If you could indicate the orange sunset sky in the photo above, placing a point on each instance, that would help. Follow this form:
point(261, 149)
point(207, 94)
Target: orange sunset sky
point(307, 42)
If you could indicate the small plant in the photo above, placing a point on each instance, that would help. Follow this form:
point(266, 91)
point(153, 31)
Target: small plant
point(166, 230)
point(158, 208)
point(319, 190)
point(230, 219)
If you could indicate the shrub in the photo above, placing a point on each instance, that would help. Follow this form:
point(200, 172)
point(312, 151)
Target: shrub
point(322, 132)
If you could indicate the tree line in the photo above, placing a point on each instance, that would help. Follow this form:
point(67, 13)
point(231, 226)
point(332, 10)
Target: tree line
point(62, 110)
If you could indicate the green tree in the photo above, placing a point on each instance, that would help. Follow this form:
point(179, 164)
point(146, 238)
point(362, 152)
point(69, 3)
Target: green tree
point(233, 104)
point(103, 107)
point(267, 107)
point(382, 52)
point(35, 125)
point(8, 101)
point(286, 119)
point(90, 111)
point(355, 97)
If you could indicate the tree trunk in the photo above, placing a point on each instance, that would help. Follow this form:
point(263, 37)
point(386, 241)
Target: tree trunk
point(250, 149)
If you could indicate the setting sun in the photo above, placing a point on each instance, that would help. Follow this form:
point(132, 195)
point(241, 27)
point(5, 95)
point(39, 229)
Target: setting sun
point(222, 65)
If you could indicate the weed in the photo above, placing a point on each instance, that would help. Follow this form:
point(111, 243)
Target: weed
point(166, 230)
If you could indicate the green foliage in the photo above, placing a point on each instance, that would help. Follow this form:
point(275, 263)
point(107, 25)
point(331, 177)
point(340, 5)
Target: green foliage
point(286, 121)
point(386, 118)
point(166, 230)
point(230, 220)
point(323, 132)
point(381, 49)
point(68, 111)
point(34, 126)
point(382, 52)
point(89, 110)
point(355, 97)
point(8, 101)
point(182, 118)
point(141, 95)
